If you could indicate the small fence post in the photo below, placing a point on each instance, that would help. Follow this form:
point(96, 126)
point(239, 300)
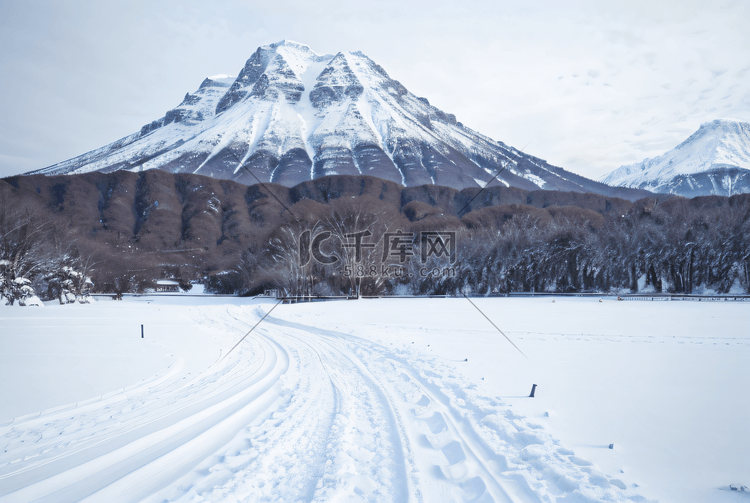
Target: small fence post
point(141, 331)
point(533, 390)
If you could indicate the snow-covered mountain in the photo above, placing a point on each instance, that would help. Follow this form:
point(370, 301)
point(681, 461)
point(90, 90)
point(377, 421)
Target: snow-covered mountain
point(292, 115)
point(714, 160)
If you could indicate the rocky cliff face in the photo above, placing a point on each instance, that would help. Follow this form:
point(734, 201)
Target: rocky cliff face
point(292, 115)
point(715, 160)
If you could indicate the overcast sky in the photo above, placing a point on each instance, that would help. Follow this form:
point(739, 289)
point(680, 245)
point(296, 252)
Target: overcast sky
point(585, 85)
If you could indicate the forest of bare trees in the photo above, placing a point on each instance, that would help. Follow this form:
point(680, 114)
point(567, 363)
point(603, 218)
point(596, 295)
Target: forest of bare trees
point(351, 236)
point(677, 246)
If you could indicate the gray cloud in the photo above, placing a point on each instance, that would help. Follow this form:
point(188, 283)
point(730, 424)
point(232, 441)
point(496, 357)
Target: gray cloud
point(80, 74)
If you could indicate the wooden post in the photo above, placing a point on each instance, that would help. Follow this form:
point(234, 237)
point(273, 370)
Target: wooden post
point(533, 390)
point(141, 331)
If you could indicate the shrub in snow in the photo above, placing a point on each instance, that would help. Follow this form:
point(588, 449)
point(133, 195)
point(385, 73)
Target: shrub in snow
point(69, 285)
point(19, 289)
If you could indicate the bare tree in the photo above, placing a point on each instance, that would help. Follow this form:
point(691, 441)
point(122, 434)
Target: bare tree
point(360, 228)
point(22, 253)
point(291, 270)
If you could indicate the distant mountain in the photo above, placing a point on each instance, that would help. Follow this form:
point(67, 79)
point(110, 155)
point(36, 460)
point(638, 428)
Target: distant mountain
point(715, 160)
point(292, 115)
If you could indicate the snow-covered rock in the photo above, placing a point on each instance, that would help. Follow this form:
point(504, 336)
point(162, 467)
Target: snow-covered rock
point(713, 160)
point(292, 115)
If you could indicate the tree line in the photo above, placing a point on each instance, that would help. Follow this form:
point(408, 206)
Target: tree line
point(676, 246)
point(61, 237)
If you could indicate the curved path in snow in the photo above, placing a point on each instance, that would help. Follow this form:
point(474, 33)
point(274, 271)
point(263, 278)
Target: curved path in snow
point(294, 413)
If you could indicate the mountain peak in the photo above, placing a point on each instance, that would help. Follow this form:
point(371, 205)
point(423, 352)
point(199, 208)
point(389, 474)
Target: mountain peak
point(292, 115)
point(290, 43)
point(725, 121)
point(295, 51)
point(715, 159)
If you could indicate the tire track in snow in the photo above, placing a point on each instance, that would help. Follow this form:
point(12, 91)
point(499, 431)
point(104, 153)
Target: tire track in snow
point(364, 441)
point(333, 437)
point(117, 451)
point(446, 459)
point(467, 470)
point(297, 413)
point(460, 446)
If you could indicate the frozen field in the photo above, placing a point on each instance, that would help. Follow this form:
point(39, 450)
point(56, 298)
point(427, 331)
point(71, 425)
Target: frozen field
point(375, 400)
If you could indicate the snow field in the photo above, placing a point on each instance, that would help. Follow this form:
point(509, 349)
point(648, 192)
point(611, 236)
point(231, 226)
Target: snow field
point(666, 382)
point(377, 400)
point(67, 353)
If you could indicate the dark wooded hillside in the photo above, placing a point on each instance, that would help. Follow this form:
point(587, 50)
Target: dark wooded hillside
point(139, 227)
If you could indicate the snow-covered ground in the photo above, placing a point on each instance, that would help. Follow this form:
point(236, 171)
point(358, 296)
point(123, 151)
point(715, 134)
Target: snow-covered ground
point(375, 400)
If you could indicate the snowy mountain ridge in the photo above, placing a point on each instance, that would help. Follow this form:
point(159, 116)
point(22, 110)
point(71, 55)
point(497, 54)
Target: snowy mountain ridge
point(292, 115)
point(713, 160)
